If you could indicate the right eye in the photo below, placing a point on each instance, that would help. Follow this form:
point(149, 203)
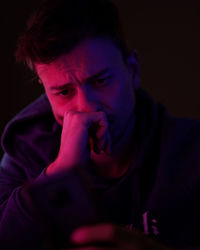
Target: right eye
point(66, 92)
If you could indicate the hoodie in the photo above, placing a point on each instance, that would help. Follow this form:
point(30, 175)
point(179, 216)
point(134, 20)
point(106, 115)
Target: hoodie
point(159, 194)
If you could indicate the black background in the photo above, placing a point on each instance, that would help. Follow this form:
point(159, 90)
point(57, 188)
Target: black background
point(164, 33)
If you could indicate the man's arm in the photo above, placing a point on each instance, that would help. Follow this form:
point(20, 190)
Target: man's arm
point(18, 228)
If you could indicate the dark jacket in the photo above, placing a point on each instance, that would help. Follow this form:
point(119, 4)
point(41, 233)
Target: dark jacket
point(159, 194)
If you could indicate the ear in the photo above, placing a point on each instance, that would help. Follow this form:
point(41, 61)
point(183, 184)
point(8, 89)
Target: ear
point(134, 68)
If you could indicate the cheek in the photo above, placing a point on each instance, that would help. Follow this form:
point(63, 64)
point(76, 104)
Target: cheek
point(57, 108)
point(122, 97)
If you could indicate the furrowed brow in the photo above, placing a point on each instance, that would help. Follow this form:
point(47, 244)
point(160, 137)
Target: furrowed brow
point(99, 74)
point(60, 87)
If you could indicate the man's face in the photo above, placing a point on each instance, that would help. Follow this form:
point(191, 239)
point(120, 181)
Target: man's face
point(92, 77)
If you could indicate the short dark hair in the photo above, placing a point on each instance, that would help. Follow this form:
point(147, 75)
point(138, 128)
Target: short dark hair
point(57, 26)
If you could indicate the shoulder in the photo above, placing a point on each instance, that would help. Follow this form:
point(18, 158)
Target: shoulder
point(180, 135)
point(37, 108)
point(156, 124)
point(30, 127)
point(179, 164)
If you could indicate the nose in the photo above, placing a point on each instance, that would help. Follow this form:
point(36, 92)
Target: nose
point(87, 101)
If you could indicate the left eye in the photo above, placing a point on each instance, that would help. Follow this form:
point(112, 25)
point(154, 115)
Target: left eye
point(100, 82)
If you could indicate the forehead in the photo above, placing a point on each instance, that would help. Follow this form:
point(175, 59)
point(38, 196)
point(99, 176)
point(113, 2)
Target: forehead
point(89, 57)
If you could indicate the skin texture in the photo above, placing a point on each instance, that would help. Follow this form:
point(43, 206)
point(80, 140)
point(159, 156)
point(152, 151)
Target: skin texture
point(95, 106)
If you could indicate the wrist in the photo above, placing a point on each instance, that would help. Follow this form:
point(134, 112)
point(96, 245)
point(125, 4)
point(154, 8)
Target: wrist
point(50, 170)
point(56, 167)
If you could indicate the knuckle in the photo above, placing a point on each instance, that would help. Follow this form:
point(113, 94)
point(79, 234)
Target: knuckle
point(112, 229)
point(67, 114)
point(72, 114)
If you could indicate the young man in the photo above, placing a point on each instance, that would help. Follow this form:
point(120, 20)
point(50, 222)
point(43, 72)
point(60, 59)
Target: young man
point(142, 163)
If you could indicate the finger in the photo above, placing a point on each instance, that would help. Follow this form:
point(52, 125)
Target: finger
point(98, 130)
point(96, 246)
point(108, 144)
point(102, 125)
point(91, 248)
point(103, 136)
point(98, 122)
point(94, 233)
point(100, 145)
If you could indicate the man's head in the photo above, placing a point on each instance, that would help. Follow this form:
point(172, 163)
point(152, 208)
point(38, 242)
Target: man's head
point(57, 26)
point(78, 52)
point(92, 77)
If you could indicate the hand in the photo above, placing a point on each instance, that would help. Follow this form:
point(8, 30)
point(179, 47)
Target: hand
point(119, 237)
point(81, 133)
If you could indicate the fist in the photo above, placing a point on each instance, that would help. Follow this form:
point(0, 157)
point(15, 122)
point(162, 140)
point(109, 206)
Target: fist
point(81, 133)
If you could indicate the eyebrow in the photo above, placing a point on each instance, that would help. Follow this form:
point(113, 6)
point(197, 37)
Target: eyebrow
point(100, 73)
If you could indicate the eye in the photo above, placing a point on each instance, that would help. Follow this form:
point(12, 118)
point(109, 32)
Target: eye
point(101, 82)
point(66, 92)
